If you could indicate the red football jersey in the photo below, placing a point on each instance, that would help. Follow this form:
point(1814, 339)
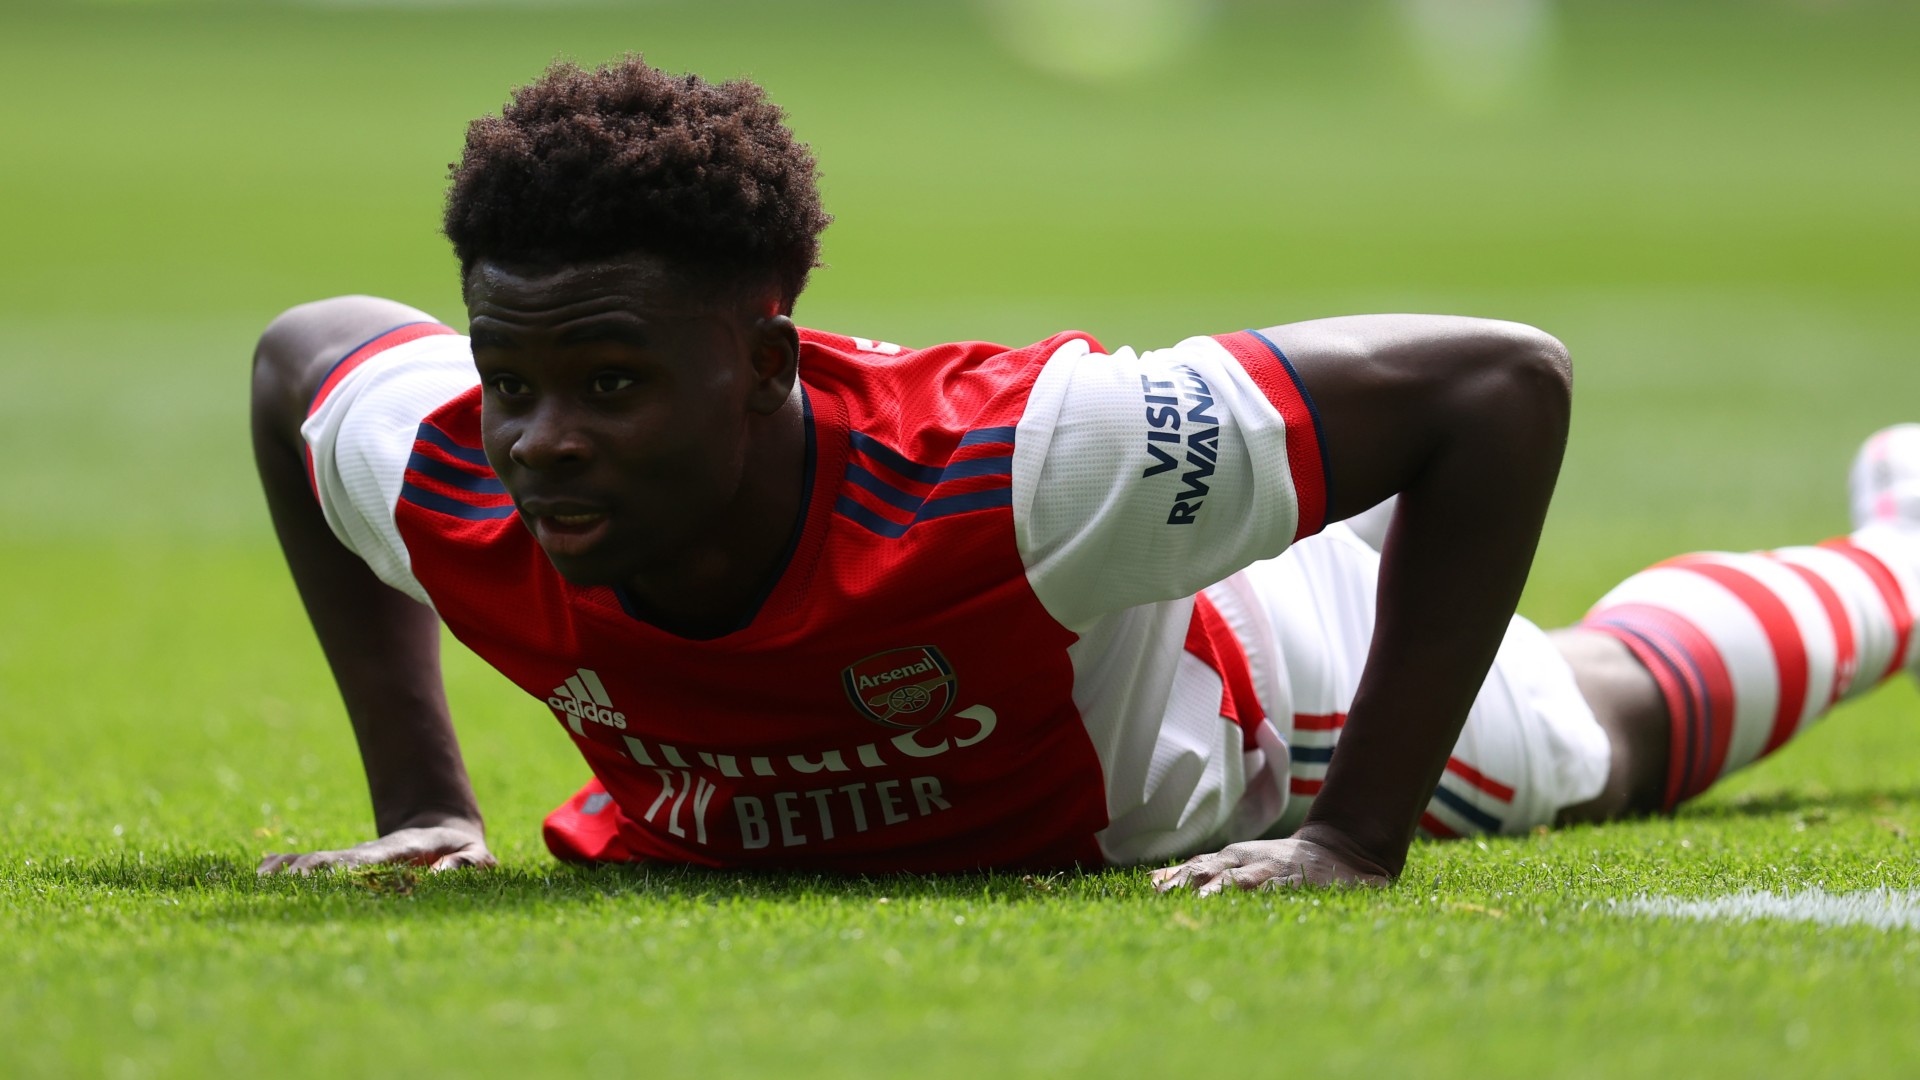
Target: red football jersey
point(986, 648)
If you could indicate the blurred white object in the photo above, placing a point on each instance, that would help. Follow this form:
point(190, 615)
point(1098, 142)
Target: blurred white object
point(1481, 54)
point(1098, 40)
point(1884, 484)
point(1371, 525)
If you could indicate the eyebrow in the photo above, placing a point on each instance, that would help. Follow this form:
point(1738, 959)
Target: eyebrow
point(482, 338)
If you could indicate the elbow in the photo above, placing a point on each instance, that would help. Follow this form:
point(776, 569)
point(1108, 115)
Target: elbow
point(301, 344)
point(1528, 378)
point(286, 352)
point(1547, 357)
point(275, 374)
point(291, 343)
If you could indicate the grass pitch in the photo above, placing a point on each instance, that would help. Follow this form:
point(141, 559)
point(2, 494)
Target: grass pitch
point(1710, 203)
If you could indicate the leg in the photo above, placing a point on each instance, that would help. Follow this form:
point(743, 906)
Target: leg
point(1706, 663)
point(1530, 746)
point(1626, 702)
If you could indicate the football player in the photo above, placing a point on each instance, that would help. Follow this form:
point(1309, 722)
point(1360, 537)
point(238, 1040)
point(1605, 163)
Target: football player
point(803, 599)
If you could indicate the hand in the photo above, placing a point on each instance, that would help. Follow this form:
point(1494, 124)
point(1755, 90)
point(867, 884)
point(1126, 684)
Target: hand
point(446, 846)
point(1270, 864)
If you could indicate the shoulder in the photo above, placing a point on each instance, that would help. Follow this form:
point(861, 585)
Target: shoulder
point(447, 471)
point(423, 342)
point(379, 446)
point(926, 400)
point(880, 366)
point(927, 433)
point(386, 386)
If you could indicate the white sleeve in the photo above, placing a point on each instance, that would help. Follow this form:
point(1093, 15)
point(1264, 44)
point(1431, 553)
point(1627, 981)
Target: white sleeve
point(1144, 478)
point(360, 436)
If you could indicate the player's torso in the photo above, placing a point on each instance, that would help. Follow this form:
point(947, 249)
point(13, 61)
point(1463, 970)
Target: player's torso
point(899, 701)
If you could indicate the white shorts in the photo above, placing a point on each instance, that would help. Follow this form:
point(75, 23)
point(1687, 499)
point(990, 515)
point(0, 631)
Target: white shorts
point(1530, 747)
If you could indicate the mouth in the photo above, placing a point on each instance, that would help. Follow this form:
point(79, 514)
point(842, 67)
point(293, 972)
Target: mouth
point(568, 533)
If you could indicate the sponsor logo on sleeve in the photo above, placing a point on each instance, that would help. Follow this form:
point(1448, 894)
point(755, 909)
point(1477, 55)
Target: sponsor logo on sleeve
point(1182, 428)
point(901, 688)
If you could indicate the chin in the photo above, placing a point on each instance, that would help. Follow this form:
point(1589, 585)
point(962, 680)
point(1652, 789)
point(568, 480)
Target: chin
point(588, 571)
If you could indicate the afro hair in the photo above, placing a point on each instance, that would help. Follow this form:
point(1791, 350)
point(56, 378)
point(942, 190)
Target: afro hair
point(625, 159)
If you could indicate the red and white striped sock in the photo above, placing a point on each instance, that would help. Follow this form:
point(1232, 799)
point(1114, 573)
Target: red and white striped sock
point(1749, 649)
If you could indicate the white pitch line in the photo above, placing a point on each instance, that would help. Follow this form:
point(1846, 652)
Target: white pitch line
point(1881, 909)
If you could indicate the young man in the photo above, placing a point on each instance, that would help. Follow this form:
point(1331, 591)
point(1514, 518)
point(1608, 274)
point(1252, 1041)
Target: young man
point(810, 600)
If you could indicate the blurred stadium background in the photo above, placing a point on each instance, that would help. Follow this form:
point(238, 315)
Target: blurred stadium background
point(1713, 203)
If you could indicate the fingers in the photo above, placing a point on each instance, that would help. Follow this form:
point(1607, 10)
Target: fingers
point(386, 849)
point(432, 848)
point(1196, 873)
point(1211, 874)
point(1263, 865)
point(304, 863)
point(288, 863)
point(478, 858)
point(1169, 878)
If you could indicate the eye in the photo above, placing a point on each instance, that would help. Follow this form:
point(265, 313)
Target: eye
point(508, 386)
point(610, 383)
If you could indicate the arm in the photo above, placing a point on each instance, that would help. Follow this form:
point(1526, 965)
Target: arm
point(1466, 420)
point(383, 647)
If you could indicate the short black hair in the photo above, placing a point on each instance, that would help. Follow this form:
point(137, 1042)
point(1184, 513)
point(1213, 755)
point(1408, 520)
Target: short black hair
point(625, 159)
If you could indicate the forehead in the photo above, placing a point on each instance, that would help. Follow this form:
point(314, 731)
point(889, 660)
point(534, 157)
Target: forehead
point(639, 284)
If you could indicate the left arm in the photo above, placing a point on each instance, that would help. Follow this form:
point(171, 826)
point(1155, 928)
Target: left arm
point(1465, 420)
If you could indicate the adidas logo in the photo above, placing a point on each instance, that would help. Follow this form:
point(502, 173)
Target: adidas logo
point(582, 697)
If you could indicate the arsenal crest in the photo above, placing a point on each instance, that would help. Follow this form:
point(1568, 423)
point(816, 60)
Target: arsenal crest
point(901, 688)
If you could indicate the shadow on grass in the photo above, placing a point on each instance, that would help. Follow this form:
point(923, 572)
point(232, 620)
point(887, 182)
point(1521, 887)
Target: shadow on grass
point(1796, 802)
point(219, 885)
point(226, 888)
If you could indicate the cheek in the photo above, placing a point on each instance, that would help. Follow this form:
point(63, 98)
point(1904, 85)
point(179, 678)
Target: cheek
point(716, 451)
point(712, 458)
point(701, 455)
point(496, 439)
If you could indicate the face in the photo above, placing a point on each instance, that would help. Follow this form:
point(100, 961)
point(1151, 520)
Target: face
point(620, 408)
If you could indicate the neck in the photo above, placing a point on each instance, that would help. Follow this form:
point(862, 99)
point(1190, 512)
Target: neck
point(716, 587)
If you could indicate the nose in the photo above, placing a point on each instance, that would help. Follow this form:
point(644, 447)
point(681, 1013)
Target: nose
point(550, 438)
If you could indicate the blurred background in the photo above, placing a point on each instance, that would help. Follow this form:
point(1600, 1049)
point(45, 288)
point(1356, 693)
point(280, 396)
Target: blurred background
point(1712, 203)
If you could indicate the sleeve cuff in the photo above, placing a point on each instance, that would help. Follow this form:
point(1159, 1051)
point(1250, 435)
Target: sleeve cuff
point(355, 357)
point(369, 349)
point(1273, 373)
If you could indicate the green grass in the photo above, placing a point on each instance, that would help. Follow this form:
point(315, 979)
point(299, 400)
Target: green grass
point(1711, 203)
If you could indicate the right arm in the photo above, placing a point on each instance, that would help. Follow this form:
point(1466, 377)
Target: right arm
point(383, 647)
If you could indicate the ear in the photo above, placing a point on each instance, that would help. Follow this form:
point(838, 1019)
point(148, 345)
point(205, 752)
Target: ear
point(775, 349)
